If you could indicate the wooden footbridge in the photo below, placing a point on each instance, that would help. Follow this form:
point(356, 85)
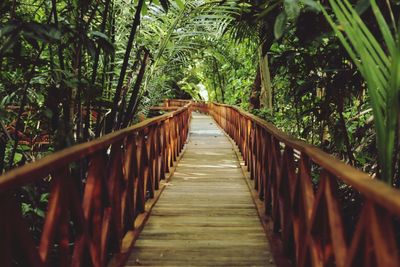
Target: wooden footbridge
point(202, 185)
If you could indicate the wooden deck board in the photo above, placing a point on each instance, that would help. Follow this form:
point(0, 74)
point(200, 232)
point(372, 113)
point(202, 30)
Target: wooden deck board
point(205, 216)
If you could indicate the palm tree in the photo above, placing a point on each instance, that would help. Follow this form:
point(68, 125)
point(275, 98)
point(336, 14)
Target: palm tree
point(379, 64)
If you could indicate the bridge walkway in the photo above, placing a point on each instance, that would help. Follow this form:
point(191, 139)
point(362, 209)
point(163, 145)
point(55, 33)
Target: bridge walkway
point(206, 215)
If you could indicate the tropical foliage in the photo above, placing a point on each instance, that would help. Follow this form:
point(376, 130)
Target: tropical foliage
point(379, 64)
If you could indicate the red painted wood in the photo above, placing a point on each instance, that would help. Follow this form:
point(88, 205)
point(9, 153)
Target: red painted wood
point(124, 170)
point(87, 218)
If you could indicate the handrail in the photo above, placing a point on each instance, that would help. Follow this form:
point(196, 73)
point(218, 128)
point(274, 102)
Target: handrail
point(309, 221)
point(123, 171)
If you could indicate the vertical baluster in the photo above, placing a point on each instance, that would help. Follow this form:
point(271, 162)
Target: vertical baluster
point(248, 143)
point(63, 234)
point(6, 229)
point(179, 132)
point(167, 145)
point(114, 186)
point(268, 180)
point(231, 125)
point(158, 149)
point(302, 209)
point(259, 157)
point(146, 167)
point(263, 165)
point(285, 185)
point(326, 241)
point(127, 205)
point(53, 215)
point(155, 154)
point(164, 150)
point(276, 170)
point(244, 137)
point(182, 130)
point(140, 191)
point(171, 141)
point(63, 225)
point(176, 136)
point(257, 149)
point(243, 141)
point(237, 127)
point(151, 158)
point(14, 230)
point(252, 154)
point(88, 214)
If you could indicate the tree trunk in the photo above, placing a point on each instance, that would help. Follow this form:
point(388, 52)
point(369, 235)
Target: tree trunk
point(24, 102)
point(95, 70)
point(135, 24)
point(135, 92)
point(255, 91)
point(266, 86)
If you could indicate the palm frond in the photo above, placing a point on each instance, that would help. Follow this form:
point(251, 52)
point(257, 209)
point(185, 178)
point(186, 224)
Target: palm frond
point(380, 69)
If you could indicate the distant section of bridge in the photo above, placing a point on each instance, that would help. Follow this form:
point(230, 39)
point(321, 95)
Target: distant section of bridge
point(206, 215)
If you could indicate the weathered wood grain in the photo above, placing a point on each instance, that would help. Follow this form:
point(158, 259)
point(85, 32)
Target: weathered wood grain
point(206, 216)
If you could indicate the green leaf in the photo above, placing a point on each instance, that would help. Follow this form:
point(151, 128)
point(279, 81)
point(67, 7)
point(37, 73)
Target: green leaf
point(384, 27)
point(280, 25)
point(312, 4)
point(44, 198)
point(180, 4)
point(103, 41)
point(99, 35)
point(39, 212)
point(41, 32)
point(379, 70)
point(24, 148)
point(26, 208)
point(17, 157)
point(7, 29)
point(362, 6)
point(144, 9)
point(9, 44)
point(292, 9)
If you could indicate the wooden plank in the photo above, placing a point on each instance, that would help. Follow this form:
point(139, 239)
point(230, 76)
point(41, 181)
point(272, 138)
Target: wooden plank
point(205, 216)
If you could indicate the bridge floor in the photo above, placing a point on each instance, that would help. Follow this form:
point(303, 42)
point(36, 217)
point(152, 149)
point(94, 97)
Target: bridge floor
point(205, 216)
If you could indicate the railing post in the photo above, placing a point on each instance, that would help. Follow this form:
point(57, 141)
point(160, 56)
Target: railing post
point(114, 184)
point(141, 183)
point(128, 201)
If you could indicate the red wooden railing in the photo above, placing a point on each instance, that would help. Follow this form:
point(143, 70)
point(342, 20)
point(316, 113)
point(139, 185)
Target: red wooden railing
point(92, 217)
point(199, 106)
point(308, 214)
point(124, 170)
